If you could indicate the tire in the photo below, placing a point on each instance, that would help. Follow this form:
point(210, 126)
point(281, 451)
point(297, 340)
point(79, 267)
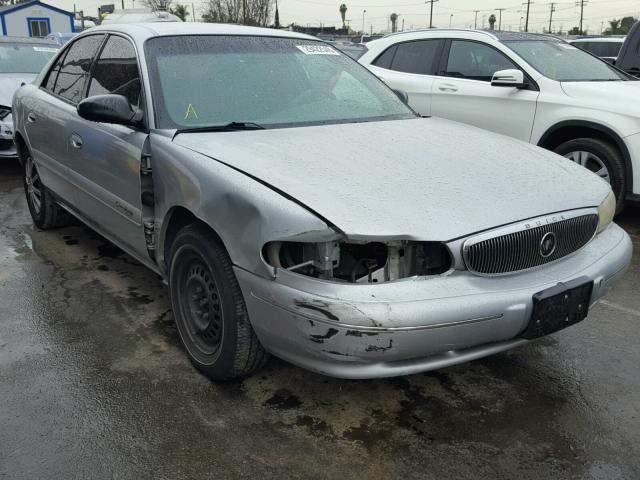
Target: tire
point(209, 309)
point(600, 153)
point(44, 210)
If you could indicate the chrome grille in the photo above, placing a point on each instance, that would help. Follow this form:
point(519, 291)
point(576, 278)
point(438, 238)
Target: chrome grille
point(521, 249)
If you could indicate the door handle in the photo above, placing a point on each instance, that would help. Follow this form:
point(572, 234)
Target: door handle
point(447, 87)
point(31, 118)
point(76, 141)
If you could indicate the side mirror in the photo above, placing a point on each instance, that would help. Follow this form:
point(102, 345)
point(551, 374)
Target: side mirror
point(508, 78)
point(402, 95)
point(109, 109)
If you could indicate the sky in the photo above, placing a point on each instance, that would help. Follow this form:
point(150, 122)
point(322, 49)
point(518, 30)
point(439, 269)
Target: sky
point(415, 13)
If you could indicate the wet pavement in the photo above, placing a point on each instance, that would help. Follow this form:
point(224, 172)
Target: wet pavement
point(94, 384)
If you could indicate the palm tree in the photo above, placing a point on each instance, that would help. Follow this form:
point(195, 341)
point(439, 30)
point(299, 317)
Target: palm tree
point(181, 11)
point(343, 14)
point(394, 21)
point(492, 22)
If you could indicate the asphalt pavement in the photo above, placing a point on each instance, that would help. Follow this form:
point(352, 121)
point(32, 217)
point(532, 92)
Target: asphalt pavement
point(95, 384)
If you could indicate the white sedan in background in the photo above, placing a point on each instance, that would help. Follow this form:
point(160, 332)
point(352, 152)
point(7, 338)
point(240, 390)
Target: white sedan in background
point(536, 88)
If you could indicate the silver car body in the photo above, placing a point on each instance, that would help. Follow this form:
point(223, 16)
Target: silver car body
point(421, 179)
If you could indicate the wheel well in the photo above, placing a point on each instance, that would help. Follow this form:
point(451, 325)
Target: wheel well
point(566, 131)
point(178, 218)
point(21, 146)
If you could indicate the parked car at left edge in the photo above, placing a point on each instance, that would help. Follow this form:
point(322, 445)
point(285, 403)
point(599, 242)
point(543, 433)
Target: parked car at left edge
point(21, 59)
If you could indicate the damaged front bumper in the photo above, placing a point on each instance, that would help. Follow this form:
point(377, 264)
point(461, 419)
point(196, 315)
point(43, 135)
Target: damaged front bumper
point(418, 324)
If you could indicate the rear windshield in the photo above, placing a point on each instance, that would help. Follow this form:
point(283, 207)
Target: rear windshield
point(24, 58)
point(563, 62)
point(207, 80)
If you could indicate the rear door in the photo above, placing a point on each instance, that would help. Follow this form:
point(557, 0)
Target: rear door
point(50, 110)
point(410, 66)
point(107, 157)
point(463, 91)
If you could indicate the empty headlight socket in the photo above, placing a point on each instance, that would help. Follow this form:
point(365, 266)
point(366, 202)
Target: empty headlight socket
point(360, 262)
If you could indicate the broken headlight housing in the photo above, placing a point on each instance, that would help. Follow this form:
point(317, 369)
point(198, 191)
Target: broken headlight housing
point(360, 262)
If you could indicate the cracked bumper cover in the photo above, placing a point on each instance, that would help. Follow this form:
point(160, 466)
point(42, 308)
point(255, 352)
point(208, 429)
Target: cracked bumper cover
point(404, 327)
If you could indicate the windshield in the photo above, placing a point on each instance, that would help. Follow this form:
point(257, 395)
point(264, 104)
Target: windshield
point(200, 81)
point(563, 62)
point(24, 57)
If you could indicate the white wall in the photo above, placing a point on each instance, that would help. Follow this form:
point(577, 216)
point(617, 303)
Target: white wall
point(16, 21)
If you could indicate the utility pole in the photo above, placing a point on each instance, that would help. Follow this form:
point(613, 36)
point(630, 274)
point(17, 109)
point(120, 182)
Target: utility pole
point(122, 4)
point(363, 12)
point(193, 12)
point(553, 9)
point(526, 22)
point(475, 25)
point(431, 12)
point(500, 18)
point(581, 3)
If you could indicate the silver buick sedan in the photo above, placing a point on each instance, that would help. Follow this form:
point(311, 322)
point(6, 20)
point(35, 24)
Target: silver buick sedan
point(297, 207)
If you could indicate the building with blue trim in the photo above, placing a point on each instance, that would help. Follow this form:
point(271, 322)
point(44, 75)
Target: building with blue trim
point(34, 19)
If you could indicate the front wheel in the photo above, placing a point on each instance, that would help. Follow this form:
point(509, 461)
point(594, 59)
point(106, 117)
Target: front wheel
point(44, 210)
point(209, 308)
point(601, 158)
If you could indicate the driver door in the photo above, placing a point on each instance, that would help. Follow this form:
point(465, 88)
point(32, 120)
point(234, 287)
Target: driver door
point(107, 157)
point(463, 91)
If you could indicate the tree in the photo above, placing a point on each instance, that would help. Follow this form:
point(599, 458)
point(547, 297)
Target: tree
point(574, 31)
point(620, 27)
point(246, 12)
point(158, 4)
point(181, 11)
point(343, 14)
point(492, 22)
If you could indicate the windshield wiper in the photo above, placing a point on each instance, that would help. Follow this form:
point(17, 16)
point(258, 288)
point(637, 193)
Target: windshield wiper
point(227, 127)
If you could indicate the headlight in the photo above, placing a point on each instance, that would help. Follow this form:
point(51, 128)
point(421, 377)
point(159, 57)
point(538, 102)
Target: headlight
point(360, 262)
point(606, 212)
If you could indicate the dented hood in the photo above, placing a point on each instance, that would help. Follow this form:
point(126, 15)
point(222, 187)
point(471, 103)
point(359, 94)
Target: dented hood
point(428, 179)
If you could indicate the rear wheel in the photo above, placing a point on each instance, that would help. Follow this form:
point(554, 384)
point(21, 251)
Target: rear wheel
point(209, 308)
point(601, 158)
point(45, 212)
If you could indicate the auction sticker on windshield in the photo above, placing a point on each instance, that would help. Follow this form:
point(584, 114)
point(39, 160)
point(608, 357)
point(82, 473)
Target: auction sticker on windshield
point(317, 50)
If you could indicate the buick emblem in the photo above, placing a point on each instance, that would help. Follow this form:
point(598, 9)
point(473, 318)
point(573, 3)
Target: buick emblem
point(548, 244)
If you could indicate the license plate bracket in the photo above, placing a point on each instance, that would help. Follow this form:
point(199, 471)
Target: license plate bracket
point(559, 307)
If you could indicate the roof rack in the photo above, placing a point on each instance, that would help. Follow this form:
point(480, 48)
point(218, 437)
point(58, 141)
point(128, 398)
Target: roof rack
point(471, 30)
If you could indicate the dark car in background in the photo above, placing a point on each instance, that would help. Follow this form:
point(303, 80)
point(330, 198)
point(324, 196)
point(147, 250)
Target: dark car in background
point(629, 56)
point(21, 59)
point(607, 48)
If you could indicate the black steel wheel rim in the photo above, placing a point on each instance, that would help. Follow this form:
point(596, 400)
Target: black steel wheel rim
point(201, 306)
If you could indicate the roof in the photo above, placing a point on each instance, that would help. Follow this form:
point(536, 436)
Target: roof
point(141, 31)
point(496, 35)
point(19, 6)
point(27, 40)
point(524, 36)
point(598, 39)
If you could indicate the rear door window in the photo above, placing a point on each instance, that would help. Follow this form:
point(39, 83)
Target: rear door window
point(74, 72)
point(416, 57)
